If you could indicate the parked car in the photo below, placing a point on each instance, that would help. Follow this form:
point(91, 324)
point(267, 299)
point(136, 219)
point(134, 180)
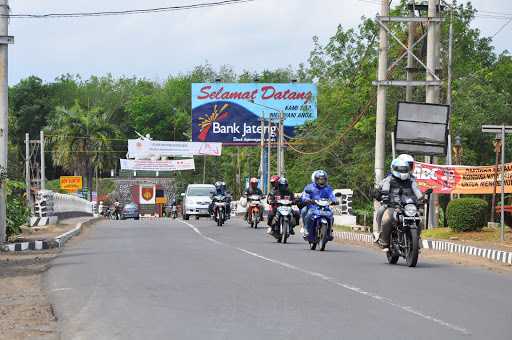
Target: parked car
point(130, 210)
point(196, 200)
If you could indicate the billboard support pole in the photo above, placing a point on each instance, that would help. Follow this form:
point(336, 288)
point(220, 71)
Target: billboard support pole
point(262, 147)
point(27, 171)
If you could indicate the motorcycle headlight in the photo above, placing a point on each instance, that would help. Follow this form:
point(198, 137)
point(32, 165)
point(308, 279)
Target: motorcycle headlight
point(410, 210)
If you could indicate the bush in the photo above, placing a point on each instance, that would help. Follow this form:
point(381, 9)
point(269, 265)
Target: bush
point(467, 214)
point(17, 211)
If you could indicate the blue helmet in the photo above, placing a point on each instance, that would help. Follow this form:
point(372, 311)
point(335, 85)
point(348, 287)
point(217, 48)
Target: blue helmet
point(400, 169)
point(319, 177)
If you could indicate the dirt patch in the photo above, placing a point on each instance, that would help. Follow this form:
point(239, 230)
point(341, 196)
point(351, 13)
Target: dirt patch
point(470, 261)
point(25, 312)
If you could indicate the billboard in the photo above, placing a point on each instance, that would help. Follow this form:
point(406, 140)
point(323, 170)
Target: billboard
point(154, 149)
point(448, 179)
point(71, 183)
point(149, 165)
point(422, 129)
point(230, 113)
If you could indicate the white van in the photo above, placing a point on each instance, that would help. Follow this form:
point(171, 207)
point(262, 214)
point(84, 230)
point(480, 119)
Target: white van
point(196, 200)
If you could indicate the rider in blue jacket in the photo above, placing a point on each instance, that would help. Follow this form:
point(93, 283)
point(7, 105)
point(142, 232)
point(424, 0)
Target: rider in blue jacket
point(316, 190)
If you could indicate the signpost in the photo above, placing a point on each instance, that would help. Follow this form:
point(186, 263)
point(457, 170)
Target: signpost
point(71, 183)
point(503, 130)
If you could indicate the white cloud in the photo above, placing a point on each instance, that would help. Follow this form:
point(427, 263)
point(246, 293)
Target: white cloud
point(257, 35)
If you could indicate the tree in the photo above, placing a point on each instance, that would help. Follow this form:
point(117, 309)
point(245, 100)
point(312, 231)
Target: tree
point(81, 141)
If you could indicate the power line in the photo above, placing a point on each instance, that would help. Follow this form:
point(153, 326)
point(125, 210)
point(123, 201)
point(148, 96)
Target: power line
point(502, 27)
point(126, 12)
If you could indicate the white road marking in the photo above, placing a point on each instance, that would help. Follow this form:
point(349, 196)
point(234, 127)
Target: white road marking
point(61, 289)
point(332, 280)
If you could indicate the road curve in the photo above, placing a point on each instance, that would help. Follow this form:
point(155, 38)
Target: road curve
point(173, 279)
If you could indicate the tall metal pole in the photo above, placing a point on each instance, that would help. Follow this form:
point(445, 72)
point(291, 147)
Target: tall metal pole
point(380, 125)
point(449, 87)
point(281, 143)
point(269, 147)
point(27, 171)
point(411, 27)
point(502, 221)
point(4, 124)
point(279, 146)
point(43, 174)
point(497, 148)
point(262, 147)
point(204, 169)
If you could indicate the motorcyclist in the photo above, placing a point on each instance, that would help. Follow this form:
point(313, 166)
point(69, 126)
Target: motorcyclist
point(220, 190)
point(318, 189)
point(117, 209)
point(282, 190)
point(380, 212)
point(400, 183)
point(252, 189)
point(274, 182)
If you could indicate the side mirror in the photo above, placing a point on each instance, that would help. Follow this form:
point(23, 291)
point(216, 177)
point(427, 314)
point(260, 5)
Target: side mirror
point(429, 191)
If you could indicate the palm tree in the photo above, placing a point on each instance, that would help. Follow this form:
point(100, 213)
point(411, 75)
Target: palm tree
point(82, 140)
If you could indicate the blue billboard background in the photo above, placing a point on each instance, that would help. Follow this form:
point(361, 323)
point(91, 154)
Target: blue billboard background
point(230, 113)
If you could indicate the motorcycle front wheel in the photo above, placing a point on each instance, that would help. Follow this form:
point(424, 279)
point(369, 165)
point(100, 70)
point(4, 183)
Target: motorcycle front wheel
point(284, 229)
point(412, 249)
point(324, 236)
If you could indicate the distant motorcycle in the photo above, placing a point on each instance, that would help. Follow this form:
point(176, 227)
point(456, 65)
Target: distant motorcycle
point(174, 212)
point(254, 210)
point(282, 219)
point(405, 238)
point(219, 209)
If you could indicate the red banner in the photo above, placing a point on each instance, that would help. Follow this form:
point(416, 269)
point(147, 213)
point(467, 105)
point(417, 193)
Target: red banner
point(446, 179)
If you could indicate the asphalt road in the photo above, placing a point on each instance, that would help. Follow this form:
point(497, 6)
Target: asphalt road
point(167, 279)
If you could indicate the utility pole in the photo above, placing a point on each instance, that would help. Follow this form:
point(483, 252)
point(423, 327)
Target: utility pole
point(449, 87)
point(380, 128)
point(432, 91)
point(28, 182)
point(5, 40)
point(43, 174)
point(432, 83)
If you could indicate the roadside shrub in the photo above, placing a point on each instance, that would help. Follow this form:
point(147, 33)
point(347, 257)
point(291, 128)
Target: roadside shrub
point(467, 214)
point(17, 211)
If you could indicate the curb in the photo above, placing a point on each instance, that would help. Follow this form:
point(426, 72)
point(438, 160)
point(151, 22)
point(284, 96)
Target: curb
point(56, 242)
point(442, 246)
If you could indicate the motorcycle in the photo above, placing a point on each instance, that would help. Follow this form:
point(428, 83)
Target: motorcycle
point(405, 233)
point(282, 219)
point(174, 212)
point(219, 209)
point(322, 224)
point(254, 210)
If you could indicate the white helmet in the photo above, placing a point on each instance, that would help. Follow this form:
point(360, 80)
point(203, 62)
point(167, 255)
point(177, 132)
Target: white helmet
point(400, 169)
point(408, 159)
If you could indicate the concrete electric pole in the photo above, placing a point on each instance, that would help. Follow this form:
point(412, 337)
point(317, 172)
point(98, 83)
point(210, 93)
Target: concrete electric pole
point(5, 40)
point(432, 81)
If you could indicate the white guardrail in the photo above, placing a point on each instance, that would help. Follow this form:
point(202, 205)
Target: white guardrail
point(50, 206)
point(63, 203)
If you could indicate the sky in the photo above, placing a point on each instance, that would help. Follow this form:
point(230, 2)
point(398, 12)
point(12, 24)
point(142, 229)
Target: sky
point(264, 34)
